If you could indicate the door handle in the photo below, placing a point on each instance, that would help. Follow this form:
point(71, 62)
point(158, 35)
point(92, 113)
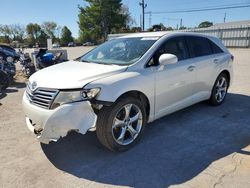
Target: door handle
point(216, 61)
point(191, 68)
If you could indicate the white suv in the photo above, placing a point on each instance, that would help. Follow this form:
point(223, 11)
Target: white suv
point(120, 86)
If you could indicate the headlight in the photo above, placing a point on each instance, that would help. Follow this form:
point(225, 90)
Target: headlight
point(90, 93)
point(65, 97)
point(9, 59)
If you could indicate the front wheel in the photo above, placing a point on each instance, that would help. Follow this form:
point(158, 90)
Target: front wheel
point(219, 91)
point(120, 126)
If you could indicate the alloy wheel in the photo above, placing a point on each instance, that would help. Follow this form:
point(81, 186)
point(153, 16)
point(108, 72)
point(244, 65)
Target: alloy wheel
point(127, 124)
point(221, 89)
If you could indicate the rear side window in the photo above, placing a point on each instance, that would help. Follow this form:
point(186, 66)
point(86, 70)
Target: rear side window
point(216, 49)
point(199, 46)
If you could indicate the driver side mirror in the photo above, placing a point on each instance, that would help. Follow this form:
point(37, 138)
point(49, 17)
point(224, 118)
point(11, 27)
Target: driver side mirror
point(166, 59)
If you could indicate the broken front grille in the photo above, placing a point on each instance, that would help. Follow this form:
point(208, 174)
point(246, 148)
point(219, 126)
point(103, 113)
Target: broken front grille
point(41, 97)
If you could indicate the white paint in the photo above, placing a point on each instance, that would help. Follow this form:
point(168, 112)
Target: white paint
point(168, 88)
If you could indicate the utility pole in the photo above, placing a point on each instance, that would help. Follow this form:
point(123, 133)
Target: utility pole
point(225, 16)
point(150, 19)
point(143, 5)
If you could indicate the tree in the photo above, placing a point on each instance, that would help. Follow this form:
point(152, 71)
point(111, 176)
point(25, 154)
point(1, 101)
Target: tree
point(42, 39)
point(12, 33)
point(169, 29)
point(5, 30)
point(135, 29)
point(182, 28)
point(158, 27)
point(34, 31)
point(50, 29)
point(205, 24)
point(3, 39)
point(66, 36)
point(101, 17)
point(17, 32)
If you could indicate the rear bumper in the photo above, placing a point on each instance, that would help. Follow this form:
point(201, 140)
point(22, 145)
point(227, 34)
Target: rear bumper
point(50, 125)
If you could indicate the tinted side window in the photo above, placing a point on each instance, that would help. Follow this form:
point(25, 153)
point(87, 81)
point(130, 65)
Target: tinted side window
point(199, 46)
point(175, 46)
point(216, 49)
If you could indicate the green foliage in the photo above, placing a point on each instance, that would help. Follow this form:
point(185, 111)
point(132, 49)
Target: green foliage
point(40, 33)
point(4, 39)
point(135, 29)
point(169, 29)
point(101, 17)
point(66, 36)
point(12, 33)
point(49, 28)
point(158, 27)
point(205, 24)
point(34, 31)
point(182, 28)
point(42, 39)
point(6, 32)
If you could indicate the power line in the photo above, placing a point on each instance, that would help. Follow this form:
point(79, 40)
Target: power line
point(202, 9)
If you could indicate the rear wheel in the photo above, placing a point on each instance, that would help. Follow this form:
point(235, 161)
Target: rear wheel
point(120, 126)
point(219, 91)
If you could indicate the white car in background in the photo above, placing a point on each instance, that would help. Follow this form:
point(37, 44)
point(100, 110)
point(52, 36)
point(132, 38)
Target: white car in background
point(125, 83)
point(56, 45)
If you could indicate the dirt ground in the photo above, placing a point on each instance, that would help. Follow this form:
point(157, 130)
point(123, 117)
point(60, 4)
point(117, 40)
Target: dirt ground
point(201, 146)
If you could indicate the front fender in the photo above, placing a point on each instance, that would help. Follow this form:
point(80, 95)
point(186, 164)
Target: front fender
point(114, 86)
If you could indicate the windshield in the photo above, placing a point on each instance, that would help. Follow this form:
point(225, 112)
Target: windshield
point(122, 51)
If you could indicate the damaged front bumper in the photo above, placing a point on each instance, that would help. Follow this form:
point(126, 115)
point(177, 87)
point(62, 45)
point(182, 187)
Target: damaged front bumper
point(49, 125)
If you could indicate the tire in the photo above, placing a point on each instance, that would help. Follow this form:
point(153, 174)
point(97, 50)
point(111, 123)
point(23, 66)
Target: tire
point(115, 127)
point(220, 86)
point(4, 80)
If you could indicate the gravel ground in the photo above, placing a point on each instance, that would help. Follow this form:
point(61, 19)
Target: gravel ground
point(200, 146)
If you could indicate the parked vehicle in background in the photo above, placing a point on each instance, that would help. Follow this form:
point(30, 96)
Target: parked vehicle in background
point(78, 44)
point(125, 83)
point(10, 68)
point(7, 69)
point(56, 45)
point(9, 51)
point(4, 78)
point(88, 44)
point(28, 67)
point(45, 59)
point(71, 44)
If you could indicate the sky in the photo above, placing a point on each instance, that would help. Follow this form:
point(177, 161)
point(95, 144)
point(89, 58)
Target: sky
point(65, 12)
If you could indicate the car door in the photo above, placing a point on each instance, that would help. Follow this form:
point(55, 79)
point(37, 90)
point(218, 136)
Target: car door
point(174, 82)
point(205, 60)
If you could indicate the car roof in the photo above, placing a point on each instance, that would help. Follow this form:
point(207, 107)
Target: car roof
point(160, 34)
point(146, 34)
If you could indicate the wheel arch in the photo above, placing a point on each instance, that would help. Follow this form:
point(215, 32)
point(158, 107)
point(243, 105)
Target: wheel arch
point(228, 75)
point(141, 96)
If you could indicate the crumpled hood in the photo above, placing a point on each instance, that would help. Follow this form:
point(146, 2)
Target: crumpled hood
point(73, 74)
